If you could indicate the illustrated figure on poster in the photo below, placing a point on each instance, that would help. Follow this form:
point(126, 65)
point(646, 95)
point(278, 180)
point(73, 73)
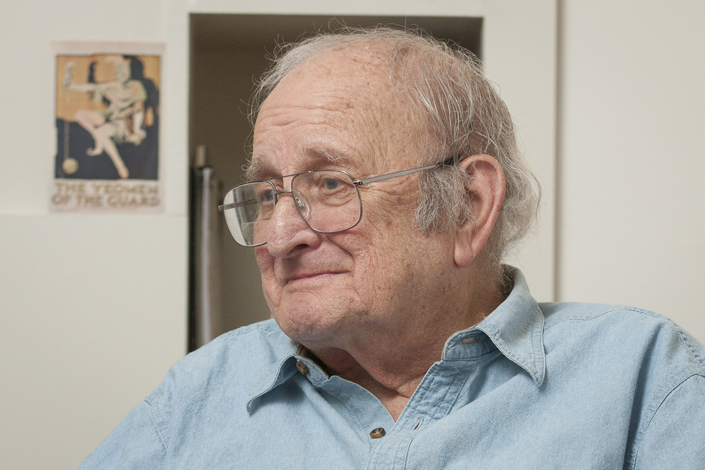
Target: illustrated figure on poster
point(123, 118)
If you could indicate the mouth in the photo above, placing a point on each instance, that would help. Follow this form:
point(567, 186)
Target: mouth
point(309, 278)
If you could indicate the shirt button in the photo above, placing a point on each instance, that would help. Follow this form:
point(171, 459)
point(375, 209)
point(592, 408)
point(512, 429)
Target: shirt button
point(303, 368)
point(377, 433)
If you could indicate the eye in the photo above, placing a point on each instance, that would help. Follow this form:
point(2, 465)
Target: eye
point(265, 194)
point(331, 184)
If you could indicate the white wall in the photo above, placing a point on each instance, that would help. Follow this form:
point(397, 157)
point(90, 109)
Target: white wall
point(92, 307)
point(632, 156)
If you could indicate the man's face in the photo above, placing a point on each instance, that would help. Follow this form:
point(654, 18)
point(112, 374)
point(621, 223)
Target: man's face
point(336, 111)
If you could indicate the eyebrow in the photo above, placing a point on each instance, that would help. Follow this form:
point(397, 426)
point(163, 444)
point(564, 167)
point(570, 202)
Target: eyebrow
point(254, 170)
point(315, 157)
point(330, 157)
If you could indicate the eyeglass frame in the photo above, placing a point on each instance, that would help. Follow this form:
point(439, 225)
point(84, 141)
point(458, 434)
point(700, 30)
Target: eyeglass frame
point(357, 183)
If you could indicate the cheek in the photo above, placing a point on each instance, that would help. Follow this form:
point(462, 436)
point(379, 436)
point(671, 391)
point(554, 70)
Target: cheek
point(382, 259)
point(386, 234)
point(265, 262)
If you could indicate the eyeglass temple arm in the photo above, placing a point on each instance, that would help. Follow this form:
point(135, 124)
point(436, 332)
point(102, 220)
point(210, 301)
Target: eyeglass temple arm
point(374, 179)
point(233, 205)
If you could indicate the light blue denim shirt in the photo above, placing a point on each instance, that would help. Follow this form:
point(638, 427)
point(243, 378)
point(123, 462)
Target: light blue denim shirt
point(534, 386)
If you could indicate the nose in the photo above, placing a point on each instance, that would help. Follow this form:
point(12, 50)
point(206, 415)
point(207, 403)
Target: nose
point(287, 231)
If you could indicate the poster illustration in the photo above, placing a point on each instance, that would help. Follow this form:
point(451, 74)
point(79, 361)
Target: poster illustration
point(107, 127)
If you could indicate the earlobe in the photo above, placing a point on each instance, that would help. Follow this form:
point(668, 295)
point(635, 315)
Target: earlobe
point(485, 189)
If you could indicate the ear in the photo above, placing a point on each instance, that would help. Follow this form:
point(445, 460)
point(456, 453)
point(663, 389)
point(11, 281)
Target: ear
point(485, 189)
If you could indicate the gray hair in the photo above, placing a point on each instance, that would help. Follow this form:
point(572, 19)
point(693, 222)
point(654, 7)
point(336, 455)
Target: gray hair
point(463, 111)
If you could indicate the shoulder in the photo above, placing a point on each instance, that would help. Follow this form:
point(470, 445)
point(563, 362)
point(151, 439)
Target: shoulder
point(625, 331)
point(639, 360)
point(230, 361)
point(215, 381)
point(632, 350)
point(674, 431)
point(556, 313)
point(202, 394)
point(260, 342)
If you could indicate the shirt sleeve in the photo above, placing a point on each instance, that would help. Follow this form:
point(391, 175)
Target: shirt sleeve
point(675, 436)
point(135, 443)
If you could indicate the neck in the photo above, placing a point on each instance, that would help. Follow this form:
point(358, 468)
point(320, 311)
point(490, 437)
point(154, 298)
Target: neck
point(391, 359)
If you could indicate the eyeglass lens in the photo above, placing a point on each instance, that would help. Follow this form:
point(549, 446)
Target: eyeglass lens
point(327, 200)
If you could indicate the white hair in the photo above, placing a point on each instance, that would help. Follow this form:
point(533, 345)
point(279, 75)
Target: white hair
point(462, 110)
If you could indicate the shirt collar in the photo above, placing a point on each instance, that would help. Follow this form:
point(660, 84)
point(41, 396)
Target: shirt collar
point(275, 376)
point(515, 328)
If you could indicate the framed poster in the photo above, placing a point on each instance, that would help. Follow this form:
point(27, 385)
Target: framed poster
point(107, 127)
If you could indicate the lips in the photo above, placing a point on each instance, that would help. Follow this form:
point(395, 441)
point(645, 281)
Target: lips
point(304, 277)
point(309, 269)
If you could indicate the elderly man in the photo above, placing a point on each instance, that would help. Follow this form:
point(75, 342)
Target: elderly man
point(385, 187)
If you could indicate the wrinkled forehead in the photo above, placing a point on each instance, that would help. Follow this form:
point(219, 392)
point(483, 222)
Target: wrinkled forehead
point(360, 71)
point(345, 93)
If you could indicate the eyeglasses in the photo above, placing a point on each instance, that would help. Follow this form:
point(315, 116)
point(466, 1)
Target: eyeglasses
point(328, 200)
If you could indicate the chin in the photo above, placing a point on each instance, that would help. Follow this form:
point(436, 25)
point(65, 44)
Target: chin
point(305, 321)
point(312, 307)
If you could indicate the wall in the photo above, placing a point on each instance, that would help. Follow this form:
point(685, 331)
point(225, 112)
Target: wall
point(92, 307)
point(632, 156)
